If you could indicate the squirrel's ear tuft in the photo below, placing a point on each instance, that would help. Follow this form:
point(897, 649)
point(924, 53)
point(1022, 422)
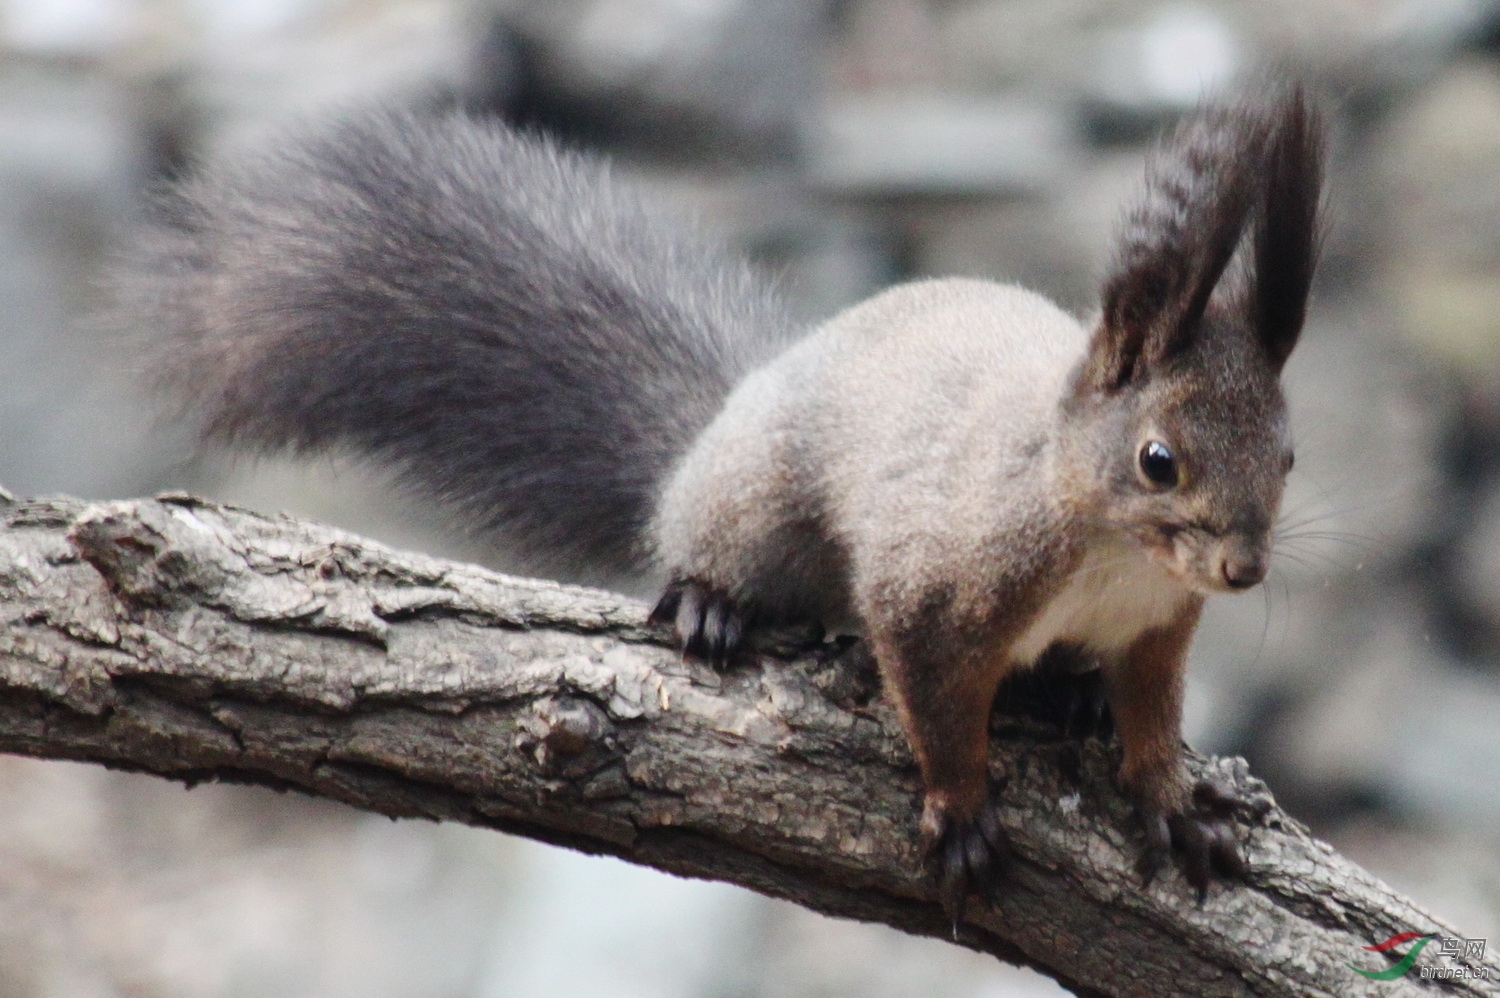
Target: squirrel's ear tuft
point(1287, 225)
point(1202, 186)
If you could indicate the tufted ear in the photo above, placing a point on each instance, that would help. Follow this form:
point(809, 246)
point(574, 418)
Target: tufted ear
point(1287, 226)
point(1259, 158)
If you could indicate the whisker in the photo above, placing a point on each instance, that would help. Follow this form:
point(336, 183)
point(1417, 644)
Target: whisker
point(1291, 521)
point(1265, 627)
point(1315, 560)
point(1295, 558)
point(1332, 535)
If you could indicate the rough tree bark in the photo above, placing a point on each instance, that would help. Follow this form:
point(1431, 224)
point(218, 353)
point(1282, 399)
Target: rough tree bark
point(198, 642)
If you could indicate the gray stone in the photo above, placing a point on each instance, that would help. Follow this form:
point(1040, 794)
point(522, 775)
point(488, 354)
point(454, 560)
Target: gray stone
point(885, 144)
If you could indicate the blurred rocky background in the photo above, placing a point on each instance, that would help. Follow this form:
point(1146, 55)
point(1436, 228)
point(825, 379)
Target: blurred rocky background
point(846, 144)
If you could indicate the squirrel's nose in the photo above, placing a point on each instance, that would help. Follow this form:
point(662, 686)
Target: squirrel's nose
point(1243, 569)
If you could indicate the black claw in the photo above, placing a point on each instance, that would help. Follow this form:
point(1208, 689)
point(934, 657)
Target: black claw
point(665, 611)
point(733, 635)
point(1190, 836)
point(973, 856)
point(710, 625)
point(1158, 848)
point(1104, 721)
point(1225, 855)
point(977, 858)
point(690, 620)
point(994, 835)
point(1203, 835)
point(714, 613)
point(1078, 720)
point(953, 885)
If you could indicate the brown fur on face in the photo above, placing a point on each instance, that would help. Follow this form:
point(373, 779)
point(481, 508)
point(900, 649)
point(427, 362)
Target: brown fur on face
point(1213, 528)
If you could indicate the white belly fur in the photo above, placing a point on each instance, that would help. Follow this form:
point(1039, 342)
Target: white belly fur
point(1116, 593)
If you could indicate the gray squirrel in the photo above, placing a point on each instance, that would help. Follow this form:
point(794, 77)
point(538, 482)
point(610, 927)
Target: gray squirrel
point(956, 470)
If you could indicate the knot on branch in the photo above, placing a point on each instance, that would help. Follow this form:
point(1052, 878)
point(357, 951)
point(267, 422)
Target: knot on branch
point(567, 737)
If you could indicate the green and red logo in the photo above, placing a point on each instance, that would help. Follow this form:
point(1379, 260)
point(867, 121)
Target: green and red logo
point(1464, 958)
point(1408, 958)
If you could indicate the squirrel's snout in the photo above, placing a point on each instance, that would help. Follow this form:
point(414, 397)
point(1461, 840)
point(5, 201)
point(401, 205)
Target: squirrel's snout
point(1243, 568)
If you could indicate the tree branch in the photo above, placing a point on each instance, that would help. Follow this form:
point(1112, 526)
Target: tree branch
point(198, 641)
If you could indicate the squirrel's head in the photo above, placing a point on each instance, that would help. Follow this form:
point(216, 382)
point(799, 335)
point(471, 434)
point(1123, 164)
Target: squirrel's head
point(1178, 431)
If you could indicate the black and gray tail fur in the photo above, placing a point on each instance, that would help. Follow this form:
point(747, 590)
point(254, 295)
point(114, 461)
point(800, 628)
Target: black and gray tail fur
point(489, 313)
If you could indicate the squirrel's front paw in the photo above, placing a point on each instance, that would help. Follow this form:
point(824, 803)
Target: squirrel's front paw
point(710, 625)
point(968, 854)
point(1203, 833)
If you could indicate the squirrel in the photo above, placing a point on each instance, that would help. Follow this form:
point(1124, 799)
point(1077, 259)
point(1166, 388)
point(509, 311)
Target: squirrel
point(956, 470)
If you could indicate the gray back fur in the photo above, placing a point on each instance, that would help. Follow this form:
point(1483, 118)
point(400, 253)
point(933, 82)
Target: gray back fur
point(488, 313)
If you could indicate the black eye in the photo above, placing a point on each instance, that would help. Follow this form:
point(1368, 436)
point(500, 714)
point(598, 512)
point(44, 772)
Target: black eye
point(1158, 464)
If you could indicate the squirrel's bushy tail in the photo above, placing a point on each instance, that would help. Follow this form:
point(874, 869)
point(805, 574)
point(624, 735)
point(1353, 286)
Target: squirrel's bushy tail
point(485, 311)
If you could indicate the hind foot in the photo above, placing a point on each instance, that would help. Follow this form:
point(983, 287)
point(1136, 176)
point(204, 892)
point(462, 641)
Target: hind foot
point(711, 626)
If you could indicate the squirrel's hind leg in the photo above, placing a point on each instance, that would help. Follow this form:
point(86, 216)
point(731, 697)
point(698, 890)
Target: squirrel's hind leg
point(1066, 688)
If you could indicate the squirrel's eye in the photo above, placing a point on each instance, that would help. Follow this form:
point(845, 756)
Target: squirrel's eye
point(1158, 464)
